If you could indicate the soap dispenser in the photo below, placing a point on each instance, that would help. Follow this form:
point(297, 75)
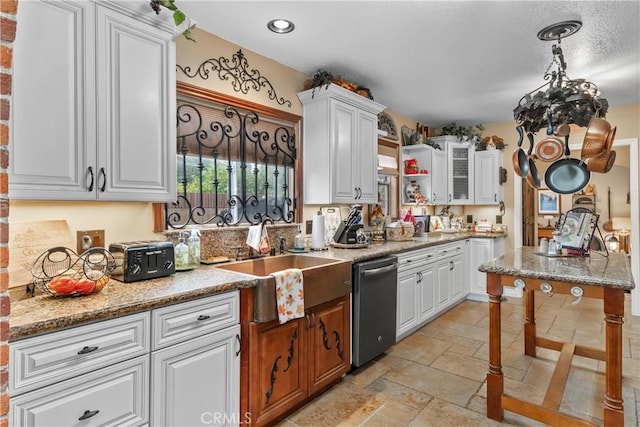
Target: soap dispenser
point(298, 241)
point(194, 248)
point(182, 254)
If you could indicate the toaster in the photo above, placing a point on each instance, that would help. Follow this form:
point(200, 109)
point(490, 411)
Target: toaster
point(142, 260)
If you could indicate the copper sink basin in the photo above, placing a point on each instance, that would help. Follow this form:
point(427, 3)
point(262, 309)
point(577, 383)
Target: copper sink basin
point(325, 279)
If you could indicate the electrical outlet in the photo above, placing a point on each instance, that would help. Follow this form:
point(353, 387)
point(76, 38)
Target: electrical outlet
point(498, 219)
point(86, 239)
point(309, 225)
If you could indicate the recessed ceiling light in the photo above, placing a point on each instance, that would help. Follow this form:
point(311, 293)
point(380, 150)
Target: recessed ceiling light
point(280, 26)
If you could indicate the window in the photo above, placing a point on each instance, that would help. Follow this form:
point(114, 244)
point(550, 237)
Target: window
point(237, 162)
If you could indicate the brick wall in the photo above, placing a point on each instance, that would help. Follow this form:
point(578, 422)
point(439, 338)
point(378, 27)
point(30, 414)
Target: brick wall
point(8, 9)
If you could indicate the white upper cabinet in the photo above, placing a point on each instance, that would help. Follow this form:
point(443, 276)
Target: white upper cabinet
point(433, 183)
point(460, 167)
point(93, 114)
point(488, 190)
point(340, 146)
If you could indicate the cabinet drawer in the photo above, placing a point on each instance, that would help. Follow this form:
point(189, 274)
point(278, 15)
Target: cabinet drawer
point(192, 319)
point(412, 259)
point(47, 359)
point(116, 395)
point(450, 249)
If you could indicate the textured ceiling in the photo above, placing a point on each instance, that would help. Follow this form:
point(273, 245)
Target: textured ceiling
point(438, 62)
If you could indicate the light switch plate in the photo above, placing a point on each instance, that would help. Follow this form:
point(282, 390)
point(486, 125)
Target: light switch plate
point(90, 238)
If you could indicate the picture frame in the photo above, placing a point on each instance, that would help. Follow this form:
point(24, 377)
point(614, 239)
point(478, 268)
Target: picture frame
point(548, 202)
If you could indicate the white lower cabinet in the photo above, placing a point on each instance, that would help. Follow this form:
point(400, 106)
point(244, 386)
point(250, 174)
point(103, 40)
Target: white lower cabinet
point(117, 395)
point(174, 366)
point(197, 382)
point(96, 374)
point(195, 362)
point(482, 250)
point(450, 274)
point(430, 281)
point(416, 290)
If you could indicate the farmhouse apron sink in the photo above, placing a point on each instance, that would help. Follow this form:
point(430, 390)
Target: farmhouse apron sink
point(325, 279)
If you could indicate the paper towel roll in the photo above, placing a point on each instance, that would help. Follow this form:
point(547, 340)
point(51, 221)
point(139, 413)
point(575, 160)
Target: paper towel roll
point(317, 232)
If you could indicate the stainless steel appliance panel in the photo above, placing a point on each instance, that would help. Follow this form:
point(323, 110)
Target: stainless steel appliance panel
point(374, 308)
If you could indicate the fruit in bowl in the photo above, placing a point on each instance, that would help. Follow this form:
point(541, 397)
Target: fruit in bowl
point(77, 286)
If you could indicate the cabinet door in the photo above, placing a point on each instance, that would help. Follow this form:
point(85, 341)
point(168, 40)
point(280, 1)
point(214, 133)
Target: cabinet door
point(365, 164)
point(438, 177)
point(460, 167)
point(329, 343)
point(344, 139)
point(488, 190)
point(136, 109)
point(407, 315)
point(443, 281)
point(277, 368)
point(197, 382)
point(481, 251)
point(53, 136)
point(458, 282)
point(427, 291)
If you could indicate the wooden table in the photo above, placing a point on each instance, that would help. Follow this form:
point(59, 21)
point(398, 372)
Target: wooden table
point(598, 277)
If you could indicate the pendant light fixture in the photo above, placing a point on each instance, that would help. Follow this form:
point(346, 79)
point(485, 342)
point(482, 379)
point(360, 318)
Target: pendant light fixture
point(560, 100)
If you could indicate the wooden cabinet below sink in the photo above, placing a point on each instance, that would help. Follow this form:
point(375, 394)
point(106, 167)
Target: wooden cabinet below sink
point(285, 365)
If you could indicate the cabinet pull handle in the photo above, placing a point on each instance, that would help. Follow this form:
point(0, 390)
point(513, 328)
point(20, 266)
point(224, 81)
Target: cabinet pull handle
point(204, 317)
point(88, 414)
point(449, 197)
point(238, 350)
point(92, 179)
point(88, 349)
point(104, 180)
point(495, 197)
point(451, 265)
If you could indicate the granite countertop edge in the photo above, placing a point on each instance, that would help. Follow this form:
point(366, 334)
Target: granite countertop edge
point(610, 272)
point(42, 313)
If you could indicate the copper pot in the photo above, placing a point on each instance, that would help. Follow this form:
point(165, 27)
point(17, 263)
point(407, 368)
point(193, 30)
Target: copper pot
point(533, 177)
point(595, 139)
point(603, 162)
point(549, 149)
point(520, 162)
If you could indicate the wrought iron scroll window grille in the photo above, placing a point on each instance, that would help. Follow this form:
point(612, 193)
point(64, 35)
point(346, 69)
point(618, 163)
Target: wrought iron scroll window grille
point(234, 167)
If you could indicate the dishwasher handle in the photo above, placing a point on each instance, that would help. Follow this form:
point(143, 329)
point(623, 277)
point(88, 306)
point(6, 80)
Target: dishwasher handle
point(380, 270)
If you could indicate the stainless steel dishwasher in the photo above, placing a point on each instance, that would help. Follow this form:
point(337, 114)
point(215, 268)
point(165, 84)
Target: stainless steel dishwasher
point(374, 308)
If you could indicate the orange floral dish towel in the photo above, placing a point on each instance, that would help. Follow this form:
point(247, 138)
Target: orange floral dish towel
point(289, 294)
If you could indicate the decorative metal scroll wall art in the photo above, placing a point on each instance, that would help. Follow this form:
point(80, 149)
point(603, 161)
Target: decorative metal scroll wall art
point(238, 71)
point(233, 167)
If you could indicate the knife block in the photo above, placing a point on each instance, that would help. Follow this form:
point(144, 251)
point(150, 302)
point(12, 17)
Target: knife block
point(347, 234)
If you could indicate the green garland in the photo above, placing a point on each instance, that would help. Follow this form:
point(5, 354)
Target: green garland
point(178, 16)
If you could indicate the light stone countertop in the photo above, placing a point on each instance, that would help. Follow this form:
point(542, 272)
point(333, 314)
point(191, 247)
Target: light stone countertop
point(613, 271)
point(44, 313)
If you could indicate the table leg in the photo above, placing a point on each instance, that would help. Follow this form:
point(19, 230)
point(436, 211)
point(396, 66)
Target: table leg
point(530, 323)
point(495, 378)
point(614, 311)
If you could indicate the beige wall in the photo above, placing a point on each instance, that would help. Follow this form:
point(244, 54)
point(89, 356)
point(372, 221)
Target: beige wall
point(133, 221)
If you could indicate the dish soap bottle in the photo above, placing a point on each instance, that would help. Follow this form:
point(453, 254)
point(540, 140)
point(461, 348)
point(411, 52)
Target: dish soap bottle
point(298, 241)
point(194, 248)
point(182, 254)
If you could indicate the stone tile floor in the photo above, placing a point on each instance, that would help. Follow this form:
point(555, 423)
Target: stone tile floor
point(436, 376)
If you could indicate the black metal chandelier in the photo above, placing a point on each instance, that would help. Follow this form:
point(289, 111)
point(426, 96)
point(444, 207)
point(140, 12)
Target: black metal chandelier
point(560, 100)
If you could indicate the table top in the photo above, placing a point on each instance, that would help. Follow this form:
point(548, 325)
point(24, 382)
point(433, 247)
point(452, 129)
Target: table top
point(613, 271)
